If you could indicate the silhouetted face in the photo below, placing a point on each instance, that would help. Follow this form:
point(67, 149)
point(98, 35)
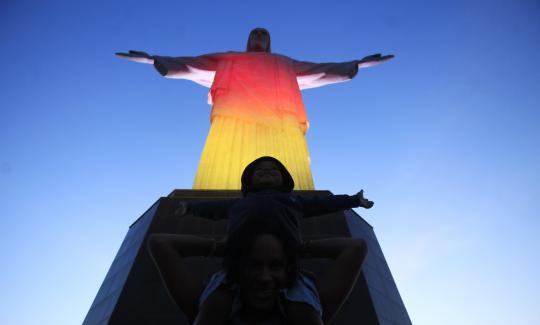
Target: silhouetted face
point(259, 40)
point(266, 175)
point(265, 274)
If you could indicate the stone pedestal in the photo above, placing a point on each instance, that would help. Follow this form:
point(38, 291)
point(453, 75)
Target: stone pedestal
point(132, 292)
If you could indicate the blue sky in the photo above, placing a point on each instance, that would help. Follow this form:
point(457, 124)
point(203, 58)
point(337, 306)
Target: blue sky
point(444, 139)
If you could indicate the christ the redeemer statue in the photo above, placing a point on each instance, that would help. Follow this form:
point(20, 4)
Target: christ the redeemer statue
point(257, 107)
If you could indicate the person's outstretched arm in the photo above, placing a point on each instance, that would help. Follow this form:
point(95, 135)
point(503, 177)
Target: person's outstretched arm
point(199, 69)
point(311, 75)
point(214, 210)
point(316, 206)
point(336, 284)
point(168, 252)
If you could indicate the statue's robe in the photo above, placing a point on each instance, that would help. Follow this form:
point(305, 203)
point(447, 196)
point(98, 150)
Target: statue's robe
point(257, 110)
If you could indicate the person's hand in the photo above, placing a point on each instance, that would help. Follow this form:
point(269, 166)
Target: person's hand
point(181, 210)
point(372, 60)
point(137, 56)
point(364, 203)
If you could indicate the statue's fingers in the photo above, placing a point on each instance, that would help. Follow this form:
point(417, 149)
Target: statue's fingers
point(372, 58)
point(366, 58)
point(387, 57)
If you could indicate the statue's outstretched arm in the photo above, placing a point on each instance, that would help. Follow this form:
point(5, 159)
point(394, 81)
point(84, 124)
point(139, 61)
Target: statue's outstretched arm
point(311, 75)
point(372, 60)
point(136, 56)
point(199, 69)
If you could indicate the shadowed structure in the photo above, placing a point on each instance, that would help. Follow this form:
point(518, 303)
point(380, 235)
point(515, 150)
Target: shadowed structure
point(132, 292)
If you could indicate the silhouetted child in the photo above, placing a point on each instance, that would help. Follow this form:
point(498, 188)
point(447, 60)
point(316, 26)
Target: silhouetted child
point(268, 199)
point(266, 182)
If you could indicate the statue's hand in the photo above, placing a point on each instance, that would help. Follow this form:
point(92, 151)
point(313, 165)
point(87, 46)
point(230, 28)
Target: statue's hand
point(137, 56)
point(364, 203)
point(372, 60)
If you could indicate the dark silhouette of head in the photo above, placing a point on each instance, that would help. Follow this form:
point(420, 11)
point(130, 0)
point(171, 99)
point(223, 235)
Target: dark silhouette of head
point(259, 41)
point(266, 173)
point(262, 259)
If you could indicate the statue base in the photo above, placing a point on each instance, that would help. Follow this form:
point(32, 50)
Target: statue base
point(133, 293)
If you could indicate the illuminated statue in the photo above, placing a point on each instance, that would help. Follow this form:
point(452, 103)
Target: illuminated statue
point(257, 107)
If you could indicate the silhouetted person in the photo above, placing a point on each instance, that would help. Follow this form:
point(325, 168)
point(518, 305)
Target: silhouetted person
point(268, 200)
point(262, 264)
point(266, 182)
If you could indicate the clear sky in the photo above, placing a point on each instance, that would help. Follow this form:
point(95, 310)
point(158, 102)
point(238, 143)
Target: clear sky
point(444, 138)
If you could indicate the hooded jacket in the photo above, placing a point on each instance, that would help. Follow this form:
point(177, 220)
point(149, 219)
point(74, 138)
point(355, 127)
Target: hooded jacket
point(278, 206)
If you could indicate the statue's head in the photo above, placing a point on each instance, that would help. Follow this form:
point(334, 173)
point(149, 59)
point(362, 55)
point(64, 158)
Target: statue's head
point(258, 41)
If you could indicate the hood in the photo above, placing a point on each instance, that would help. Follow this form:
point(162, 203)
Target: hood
point(247, 187)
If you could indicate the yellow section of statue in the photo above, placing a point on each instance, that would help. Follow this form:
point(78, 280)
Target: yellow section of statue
point(233, 143)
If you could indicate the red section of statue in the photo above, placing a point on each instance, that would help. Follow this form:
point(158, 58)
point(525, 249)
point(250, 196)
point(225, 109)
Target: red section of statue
point(256, 87)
